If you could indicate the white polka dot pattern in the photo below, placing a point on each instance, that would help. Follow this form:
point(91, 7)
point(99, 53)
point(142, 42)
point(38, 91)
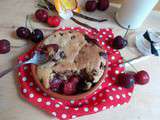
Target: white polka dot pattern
point(74, 116)
point(123, 95)
point(72, 101)
point(86, 109)
point(25, 68)
point(113, 89)
point(93, 98)
point(113, 58)
point(24, 90)
point(38, 89)
point(39, 100)
point(54, 113)
point(76, 108)
point(66, 107)
point(31, 95)
point(24, 79)
point(118, 96)
point(31, 84)
point(111, 97)
point(57, 105)
point(101, 99)
point(129, 94)
point(64, 116)
point(48, 103)
point(104, 108)
point(95, 109)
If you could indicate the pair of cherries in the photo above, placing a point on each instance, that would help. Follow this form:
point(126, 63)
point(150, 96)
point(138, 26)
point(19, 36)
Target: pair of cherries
point(37, 35)
point(128, 79)
point(92, 5)
point(42, 16)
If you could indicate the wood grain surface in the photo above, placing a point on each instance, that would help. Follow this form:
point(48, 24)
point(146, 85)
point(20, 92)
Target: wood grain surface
point(145, 102)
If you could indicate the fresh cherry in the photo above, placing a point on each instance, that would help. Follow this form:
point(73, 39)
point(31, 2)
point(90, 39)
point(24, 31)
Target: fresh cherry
point(37, 35)
point(4, 46)
point(91, 5)
point(74, 79)
point(119, 42)
point(54, 21)
point(70, 87)
point(23, 33)
point(142, 77)
point(127, 79)
point(41, 15)
point(102, 5)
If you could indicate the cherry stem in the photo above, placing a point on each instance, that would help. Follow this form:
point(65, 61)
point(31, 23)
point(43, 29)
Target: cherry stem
point(125, 61)
point(83, 24)
point(50, 6)
point(29, 17)
point(18, 46)
point(89, 18)
point(26, 21)
point(127, 31)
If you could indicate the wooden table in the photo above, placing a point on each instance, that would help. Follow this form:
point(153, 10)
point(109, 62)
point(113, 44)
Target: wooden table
point(145, 102)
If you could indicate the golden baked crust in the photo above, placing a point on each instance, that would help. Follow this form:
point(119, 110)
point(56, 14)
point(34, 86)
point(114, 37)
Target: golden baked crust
point(79, 55)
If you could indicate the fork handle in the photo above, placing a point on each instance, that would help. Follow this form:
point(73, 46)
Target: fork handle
point(10, 69)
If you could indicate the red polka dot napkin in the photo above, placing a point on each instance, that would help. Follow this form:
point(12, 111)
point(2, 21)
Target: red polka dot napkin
point(108, 95)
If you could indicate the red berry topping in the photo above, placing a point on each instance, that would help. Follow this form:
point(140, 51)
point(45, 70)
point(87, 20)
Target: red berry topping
point(41, 15)
point(56, 84)
point(4, 46)
point(142, 77)
point(74, 79)
point(69, 88)
point(102, 5)
point(23, 33)
point(119, 42)
point(91, 5)
point(126, 79)
point(54, 21)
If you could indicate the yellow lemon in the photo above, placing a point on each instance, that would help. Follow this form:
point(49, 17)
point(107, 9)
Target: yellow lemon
point(69, 4)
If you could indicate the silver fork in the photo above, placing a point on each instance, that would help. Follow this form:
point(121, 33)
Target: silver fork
point(37, 59)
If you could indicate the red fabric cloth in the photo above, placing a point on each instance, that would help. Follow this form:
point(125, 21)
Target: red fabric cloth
point(107, 96)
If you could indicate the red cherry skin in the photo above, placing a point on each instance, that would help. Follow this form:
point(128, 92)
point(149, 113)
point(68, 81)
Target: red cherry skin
point(142, 77)
point(54, 21)
point(4, 46)
point(91, 5)
point(41, 15)
point(127, 79)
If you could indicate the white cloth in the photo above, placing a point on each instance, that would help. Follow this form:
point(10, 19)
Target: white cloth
point(144, 46)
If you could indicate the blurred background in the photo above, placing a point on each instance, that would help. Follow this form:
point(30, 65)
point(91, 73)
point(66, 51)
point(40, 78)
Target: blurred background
point(120, 1)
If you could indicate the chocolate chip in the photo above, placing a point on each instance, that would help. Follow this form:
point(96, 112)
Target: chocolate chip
point(87, 38)
point(41, 81)
point(86, 76)
point(102, 54)
point(62, 55)
point(90, 40)
point(94, 72)
point(73, 37)
point(102, 66)
point(61, 34)
point(70, 31)
point(54, 35)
